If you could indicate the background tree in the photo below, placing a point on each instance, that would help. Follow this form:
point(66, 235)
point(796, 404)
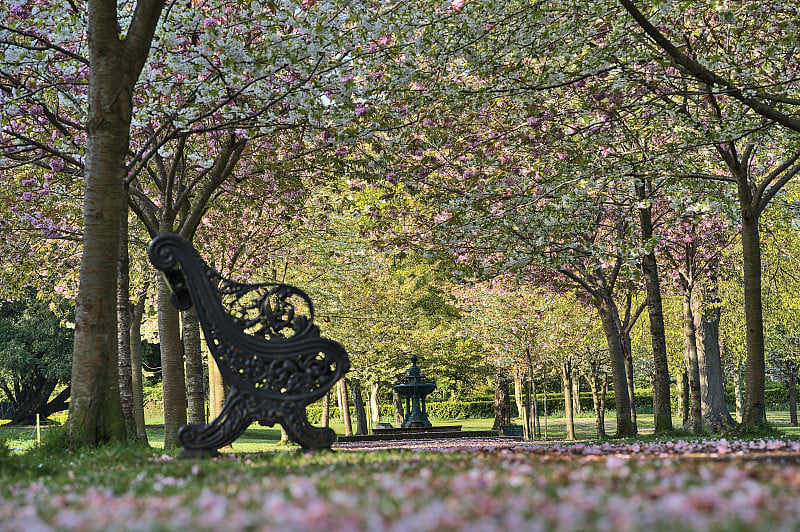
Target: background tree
point(749, 76)
point(35, 356)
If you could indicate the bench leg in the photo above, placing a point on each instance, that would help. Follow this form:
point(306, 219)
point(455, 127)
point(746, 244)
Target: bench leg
point(295, 422)
point(232, 421)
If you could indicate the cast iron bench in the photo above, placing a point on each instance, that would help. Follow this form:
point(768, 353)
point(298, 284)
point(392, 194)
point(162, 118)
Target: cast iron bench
point(265, 343)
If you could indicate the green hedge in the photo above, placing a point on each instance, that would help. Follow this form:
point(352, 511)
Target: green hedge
point(484, 408)
point(775, 395)
point(314, 412)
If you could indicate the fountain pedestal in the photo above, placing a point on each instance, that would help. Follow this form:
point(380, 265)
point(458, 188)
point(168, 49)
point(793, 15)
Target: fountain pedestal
point(413, 389)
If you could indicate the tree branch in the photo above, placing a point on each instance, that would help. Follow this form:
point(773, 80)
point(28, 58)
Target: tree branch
point(705, 75)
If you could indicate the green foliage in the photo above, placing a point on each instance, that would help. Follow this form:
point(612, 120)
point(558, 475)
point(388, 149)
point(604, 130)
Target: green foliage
point(776, 395)
point(153, 393)
point(34, 341)
point(35, 355)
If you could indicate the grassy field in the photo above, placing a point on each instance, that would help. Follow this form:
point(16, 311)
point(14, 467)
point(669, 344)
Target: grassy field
point(258, 438)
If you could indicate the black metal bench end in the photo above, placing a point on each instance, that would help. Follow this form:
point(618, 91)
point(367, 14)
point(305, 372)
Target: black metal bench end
point(265, 343)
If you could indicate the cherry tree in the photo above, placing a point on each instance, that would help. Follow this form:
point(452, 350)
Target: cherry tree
point(753, 76)
point(44, 41)
point(694, 243)
point(198, 107)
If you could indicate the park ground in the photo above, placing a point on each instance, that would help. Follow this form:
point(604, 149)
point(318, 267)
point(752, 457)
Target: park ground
point(671, 483)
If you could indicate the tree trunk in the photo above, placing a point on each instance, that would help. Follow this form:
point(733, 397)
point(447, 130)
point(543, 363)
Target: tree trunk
point(576, 392)
point(326, 410)
point(195, 378)
point(737, 390)
point(95, 413)
point(533, 420)
point(344, 406)
point(531, 391)
point(544, 405)
point(136, 365)
point(715, 415)
point(692, 366)
point(397, 404)
point(31, 400)
point(522, 405)
point(754, 411)
point(124, 330)
point(662, 408)
point(173, 380)
point(216, 388)
point(683, 395)
point(792, 369)
point(502, 400)
point(629, 378)
point(374, 394)
point(358, 403)
point(594, 386)
point(603, 395)
point(566, 385)
point(609, 317)
point(599, 421)
point(57, 404)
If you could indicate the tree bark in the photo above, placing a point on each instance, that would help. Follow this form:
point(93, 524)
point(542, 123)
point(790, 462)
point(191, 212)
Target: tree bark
point(216, 388)
point(576, 392)
point(594, 386)
point(662, 408)
point(358, 403)
point(397, 404)
point(136, 364)
point(522, 406)
point(629, 378)
point(609, 317)
point(737, 390)
point(754, 411)
point(715, 415)
point(532, 405)
point(124, 329)
point(692, 366)
point(374, 403)
point(95, 413)
point(566, 385)
point(502, 400)
point(603, 395)
point(792, 369)
point(344, 407)
point(195, 378)
point(326, 410)
point(31, 400)
point(172, 377)
point(683, 395)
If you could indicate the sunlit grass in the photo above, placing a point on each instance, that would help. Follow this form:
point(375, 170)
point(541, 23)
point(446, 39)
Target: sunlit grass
point(258, 438)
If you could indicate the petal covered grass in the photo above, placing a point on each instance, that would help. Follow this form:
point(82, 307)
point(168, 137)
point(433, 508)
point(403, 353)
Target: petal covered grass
point(464, 485)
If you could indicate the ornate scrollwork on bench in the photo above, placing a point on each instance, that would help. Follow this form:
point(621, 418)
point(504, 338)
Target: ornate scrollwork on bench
point(266, 345)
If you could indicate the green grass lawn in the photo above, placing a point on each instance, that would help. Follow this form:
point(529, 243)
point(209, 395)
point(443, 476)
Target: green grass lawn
point(258, 438)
